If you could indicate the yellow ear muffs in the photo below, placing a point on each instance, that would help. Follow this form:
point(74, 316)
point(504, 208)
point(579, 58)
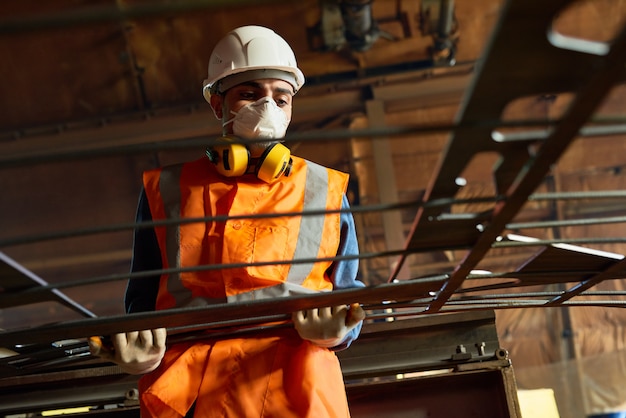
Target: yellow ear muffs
point(273, 163)
point(233, 159)
point(230, 159)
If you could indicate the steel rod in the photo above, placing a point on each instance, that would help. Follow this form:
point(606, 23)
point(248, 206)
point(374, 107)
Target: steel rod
point(543, 242)
point(414, 204)
point(357, 209)
point(569, 222)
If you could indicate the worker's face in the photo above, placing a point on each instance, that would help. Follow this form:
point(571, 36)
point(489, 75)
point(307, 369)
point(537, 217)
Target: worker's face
point(226, 105)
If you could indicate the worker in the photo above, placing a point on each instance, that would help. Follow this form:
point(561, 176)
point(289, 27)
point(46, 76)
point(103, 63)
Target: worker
point(286, 372)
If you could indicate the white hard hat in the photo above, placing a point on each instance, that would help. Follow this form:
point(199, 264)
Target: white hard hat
point(250, 53)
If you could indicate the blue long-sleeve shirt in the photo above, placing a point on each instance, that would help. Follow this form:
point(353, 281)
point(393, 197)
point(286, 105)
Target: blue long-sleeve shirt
point(141, 294)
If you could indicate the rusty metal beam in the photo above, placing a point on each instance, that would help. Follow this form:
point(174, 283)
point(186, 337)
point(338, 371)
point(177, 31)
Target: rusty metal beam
point(15, 277)
point(504, 76)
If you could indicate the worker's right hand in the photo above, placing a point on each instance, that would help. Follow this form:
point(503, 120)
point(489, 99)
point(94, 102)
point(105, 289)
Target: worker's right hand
point(136, 352)
point(328, 326)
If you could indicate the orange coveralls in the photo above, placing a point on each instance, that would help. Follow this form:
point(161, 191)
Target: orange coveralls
point(269, 375)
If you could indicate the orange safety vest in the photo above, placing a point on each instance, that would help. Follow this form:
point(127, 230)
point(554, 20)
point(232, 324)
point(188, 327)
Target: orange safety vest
point(277, 375)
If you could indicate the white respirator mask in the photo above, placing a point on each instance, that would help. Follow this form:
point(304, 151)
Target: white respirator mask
point(261, 119)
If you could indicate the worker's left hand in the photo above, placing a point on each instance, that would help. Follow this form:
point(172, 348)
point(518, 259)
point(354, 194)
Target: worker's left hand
point(328, 326)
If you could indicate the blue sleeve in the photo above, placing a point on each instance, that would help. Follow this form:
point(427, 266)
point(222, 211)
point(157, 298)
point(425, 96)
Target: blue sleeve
point(344, 272)
point(141, 293)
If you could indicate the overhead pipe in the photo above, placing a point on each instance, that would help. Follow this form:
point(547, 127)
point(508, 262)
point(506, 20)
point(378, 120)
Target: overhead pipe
point(360, 29)
point(445, 41)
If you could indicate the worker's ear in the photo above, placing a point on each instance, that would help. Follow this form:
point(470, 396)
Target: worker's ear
point(216, 102)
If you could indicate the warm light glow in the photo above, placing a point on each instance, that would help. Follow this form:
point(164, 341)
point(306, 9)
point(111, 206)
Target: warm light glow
point(65, 411)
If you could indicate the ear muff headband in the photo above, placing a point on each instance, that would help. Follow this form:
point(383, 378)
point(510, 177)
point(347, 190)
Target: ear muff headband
point(233, 159)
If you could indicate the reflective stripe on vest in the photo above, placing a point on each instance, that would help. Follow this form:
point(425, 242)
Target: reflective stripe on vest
point(307, 245)
point(169, 186)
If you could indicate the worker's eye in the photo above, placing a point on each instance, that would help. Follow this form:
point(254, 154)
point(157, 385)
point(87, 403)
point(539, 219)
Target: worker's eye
point(247, 95)
point(281, 101)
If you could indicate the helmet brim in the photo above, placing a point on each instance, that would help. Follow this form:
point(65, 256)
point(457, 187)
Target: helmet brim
point(222, 83)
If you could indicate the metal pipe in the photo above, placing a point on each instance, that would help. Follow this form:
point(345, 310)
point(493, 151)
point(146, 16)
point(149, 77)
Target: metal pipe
point(361, 31)
point(109, 13)
point(446, 19)
point(569, 222)
point(444, 48)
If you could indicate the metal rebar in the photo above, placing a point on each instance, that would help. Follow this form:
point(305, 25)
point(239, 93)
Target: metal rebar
point(542, 242)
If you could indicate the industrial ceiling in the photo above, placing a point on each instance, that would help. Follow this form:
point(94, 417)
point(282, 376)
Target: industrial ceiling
point(97, 92)
point(484, 139)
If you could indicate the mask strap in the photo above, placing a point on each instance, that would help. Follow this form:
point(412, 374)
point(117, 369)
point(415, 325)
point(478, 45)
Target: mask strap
point(231, 120)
